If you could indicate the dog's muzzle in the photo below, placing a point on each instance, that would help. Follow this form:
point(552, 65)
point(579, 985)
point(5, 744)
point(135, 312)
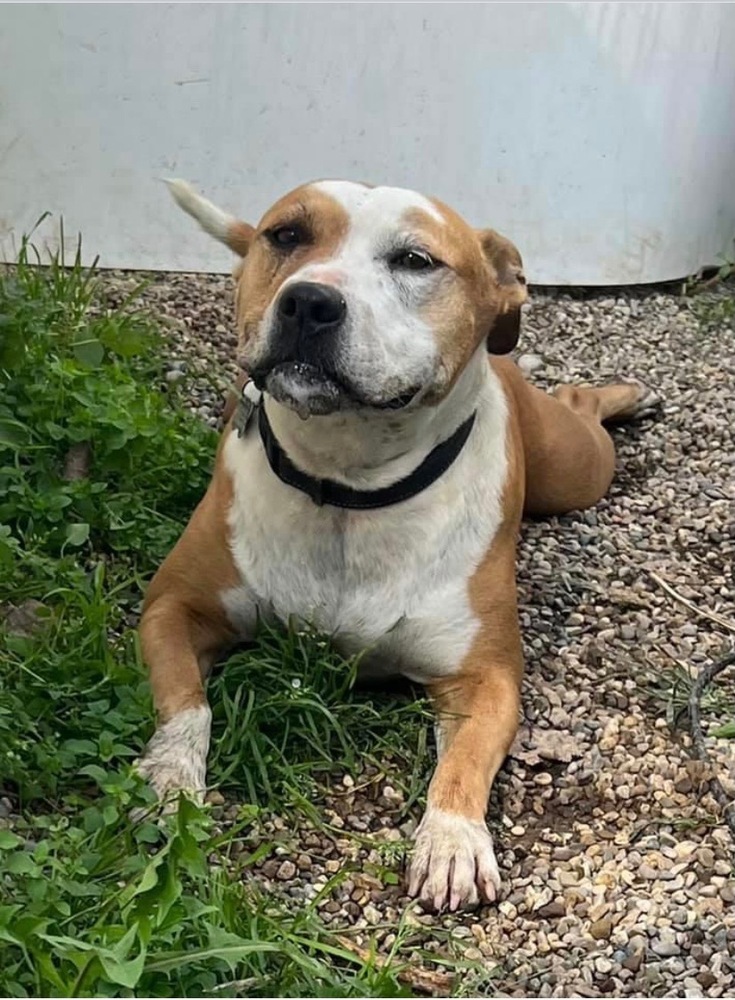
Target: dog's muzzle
point(302, 366)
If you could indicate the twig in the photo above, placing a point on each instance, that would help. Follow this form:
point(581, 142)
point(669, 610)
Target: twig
point(721, 274)
point(707, 675)
point(700, 612)
point(238, 984)
point(341, 792)
point(429, 981)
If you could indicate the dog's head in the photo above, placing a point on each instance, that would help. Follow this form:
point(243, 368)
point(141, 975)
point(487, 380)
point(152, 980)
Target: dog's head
point(350, 296)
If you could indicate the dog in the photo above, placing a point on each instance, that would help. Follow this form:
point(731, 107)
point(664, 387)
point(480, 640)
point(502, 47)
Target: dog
point(372, 481)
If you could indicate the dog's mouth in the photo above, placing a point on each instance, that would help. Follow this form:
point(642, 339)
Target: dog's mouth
point(309, 390)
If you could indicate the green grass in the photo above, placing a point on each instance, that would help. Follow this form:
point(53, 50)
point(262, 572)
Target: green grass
point(90, 904)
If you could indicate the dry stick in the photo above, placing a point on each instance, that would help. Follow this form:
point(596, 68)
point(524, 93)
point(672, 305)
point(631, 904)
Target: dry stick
point(700, 751)
point(426, 980)
point(705, 677)
point(700, 612)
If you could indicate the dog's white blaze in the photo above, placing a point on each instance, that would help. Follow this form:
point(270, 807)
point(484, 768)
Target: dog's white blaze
point(388, 203)
point(393, 581)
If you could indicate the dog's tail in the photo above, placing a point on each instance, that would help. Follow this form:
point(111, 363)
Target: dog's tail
point(234, 233)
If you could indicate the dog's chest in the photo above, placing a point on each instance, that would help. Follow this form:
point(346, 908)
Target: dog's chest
point(391, 583)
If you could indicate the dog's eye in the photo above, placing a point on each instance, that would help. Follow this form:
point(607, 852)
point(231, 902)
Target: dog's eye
point(286, 237)
point(413, 260)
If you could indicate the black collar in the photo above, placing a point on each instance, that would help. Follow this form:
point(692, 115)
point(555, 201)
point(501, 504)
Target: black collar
point(326, 491)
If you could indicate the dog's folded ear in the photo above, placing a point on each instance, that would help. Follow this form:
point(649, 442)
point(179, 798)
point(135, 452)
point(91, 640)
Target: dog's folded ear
point(505, 260)
point(234, 233)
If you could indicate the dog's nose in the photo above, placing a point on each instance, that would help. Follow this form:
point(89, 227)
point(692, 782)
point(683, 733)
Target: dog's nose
point(309, 308)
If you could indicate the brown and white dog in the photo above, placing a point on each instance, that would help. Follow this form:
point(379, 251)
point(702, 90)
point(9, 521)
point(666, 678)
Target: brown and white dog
point(365, 315)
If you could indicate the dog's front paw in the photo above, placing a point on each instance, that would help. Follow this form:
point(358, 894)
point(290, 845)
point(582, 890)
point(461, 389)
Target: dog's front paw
point(175, 760)
point(453, 863)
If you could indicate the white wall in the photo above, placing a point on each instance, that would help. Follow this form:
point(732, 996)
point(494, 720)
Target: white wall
point(600, 137)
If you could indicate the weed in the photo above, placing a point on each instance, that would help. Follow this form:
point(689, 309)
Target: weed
point(669, 690)
point(714, 309)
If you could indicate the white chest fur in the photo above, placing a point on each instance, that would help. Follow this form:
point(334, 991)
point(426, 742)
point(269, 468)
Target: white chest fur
point(394, 581)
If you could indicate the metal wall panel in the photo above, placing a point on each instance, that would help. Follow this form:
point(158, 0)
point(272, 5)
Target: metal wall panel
point(599, 136)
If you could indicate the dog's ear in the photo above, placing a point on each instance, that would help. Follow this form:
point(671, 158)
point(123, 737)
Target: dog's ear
point(226, 228)
point(506, 262)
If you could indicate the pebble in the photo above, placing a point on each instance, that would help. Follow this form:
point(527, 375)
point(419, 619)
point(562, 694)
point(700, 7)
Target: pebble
point(633, 962)
point(286, 871)
point(601, 929)
point(705, 857)
point(529, 363)
point(556, 908)
point(692, 988)
point(665, 944)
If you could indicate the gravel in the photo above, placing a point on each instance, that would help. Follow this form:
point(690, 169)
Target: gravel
point(618, 872)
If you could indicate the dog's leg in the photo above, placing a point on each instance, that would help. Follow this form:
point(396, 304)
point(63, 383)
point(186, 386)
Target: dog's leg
point(569, 455)
point(614, 402)
point(179, 651)
point(454, 862)
point(183, 629)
